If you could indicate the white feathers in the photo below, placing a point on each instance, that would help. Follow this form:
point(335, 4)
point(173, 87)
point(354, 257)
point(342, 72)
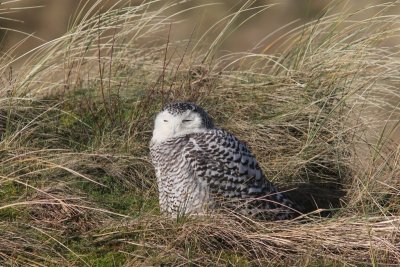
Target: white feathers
point(169, 125)
point(200, 168)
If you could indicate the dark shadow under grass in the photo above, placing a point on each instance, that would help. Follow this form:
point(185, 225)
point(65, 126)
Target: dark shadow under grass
point(323, 199)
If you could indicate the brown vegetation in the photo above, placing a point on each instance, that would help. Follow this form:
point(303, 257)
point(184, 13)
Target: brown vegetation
point(76, 185)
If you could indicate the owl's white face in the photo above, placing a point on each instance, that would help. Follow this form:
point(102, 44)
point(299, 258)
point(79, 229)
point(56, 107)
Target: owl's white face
point(169, 125)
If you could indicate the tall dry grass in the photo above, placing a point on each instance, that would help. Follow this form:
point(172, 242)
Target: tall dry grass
point(76, 185)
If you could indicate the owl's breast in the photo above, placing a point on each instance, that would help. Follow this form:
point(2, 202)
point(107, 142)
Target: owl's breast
point(179, 189)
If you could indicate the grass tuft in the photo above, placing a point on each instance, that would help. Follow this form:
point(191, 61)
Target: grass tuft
point(322, 116)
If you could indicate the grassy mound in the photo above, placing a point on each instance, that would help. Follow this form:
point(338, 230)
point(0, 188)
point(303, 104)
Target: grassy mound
point(76, 184)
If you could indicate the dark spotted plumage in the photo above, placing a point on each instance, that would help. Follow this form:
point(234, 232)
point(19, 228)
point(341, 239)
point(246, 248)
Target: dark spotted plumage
point(210, 169)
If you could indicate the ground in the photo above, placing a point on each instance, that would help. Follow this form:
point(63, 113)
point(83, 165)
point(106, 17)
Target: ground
point(77, 187)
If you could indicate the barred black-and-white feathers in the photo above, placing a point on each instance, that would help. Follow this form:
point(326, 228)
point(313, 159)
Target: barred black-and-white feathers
point(201, 168)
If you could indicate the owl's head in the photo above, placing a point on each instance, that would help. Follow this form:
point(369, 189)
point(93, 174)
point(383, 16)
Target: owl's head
point(178, 119)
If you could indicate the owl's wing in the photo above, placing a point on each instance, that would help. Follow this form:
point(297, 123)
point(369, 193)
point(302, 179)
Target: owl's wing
point(233, 175)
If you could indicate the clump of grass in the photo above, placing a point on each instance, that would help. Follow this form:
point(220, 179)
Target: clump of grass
point(223, 240)
point(76, 184)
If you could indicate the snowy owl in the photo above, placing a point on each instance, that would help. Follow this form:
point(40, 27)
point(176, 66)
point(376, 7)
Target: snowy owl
point(201, 168)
